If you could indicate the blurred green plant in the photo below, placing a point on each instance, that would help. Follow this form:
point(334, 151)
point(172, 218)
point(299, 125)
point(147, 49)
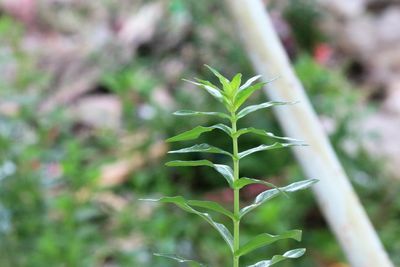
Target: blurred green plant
point(233, 95)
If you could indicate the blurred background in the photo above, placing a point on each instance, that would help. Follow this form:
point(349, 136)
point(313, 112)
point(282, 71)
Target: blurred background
point(87, 90)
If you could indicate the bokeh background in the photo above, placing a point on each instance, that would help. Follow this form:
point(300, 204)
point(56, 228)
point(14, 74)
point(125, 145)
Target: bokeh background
point(87, 89)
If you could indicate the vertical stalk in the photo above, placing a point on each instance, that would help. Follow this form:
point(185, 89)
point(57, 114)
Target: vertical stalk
point(236, 196)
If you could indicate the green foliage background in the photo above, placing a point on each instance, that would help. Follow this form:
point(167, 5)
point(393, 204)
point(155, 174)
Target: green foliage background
point(52, 219)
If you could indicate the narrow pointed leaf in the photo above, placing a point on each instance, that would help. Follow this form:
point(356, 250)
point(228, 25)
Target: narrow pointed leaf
point(247, 110)
point(291, 254)
point(223, 128)
point(211, 206)
point(179, 259)
point(224, 170)
point(210, 89)
point(242, 182)
point(267, 147)
point(244, 94)
point(197, 131)
point(235, 83)
point(266, 239)
point(301, 185)
point(224, 81)
point(189, 163)
point(201, 148)
point(199, 113)
point(271, 193)
point(181, 202)
point(265, 133)
point(249, 82)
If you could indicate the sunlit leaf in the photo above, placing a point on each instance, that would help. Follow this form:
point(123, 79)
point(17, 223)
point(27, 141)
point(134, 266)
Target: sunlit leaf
point(206, 148)
point(200, 113)
point(247, 110)
point(224, 170)
point(249, 82)
point(291, 254)
point(224, 81)
point(271, 193)
point(235, 83)
point(210, 89)
point(197, 131)
point(182, 203)
point(267, 147)
point(265, 133)
point(242, 95)
point(266, 239)
point(179, 259)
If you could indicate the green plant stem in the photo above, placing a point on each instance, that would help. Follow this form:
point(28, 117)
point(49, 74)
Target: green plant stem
point(236, 195)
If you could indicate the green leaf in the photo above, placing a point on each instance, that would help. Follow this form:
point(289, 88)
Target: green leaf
point(197, 131)
point(224, 170)
point(199, 113)
point(291, 254)
point(179, 259)
point(189, 163)
point(235, 83)
point(267, 147)
point(242, 95)
point(249, 82)
point(201, 148)
point(209, 87)
point(182, 203)
point(211, 206)
point(253, 108)
point(271, 193)
point(264, 133)
point(266, 239)
point(242, 182)
point(224, 81)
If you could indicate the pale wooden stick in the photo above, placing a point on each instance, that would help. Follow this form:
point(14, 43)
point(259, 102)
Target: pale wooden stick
point(334, 193)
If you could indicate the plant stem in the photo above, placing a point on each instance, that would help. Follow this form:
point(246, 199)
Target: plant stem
point(236, 196)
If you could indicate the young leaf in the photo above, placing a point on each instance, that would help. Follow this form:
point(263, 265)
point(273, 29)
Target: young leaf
point(253, 108)
point(265, 133)
point(210, 88)
point(179, 259)
point(224, 81)
point(242, 95)
point(199, 113)
point(201, 148)
point(235, 83)
point(291, 254)
point(182, 203)
point(197, 131)
point(249, 82)
point(266, 239)
point(267, 147)
point(224, 170)
point(271, 193)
